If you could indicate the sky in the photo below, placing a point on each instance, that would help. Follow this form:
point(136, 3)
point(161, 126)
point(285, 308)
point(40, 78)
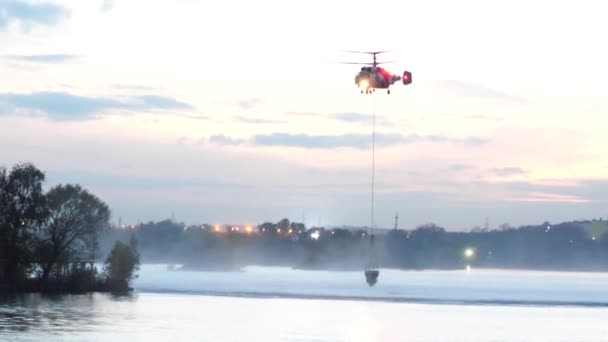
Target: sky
point(240, 112)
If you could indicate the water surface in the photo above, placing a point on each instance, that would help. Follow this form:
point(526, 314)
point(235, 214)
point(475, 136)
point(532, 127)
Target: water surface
point(273, 304)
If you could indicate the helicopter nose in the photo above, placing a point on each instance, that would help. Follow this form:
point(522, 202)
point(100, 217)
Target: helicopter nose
point(363, 84)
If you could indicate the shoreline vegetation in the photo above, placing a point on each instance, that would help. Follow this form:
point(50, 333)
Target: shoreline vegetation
point(567, 246)
point(51, 241)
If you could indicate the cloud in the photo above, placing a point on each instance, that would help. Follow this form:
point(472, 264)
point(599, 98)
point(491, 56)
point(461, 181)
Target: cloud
point(159, 102)
point(592, 190)
point(181, 140)
point(258, 121)
point(460, 167)
point(248, 103)
point(107, 5)
point(474, 117)
point(352, 117)
point(508, 171)
point(64, 106)
point(26, 13)
point(134, 87)
point(546, 191)
point(359, 141)
point(360, 118)
point(548, 198)
point(196, 117)
point(309, 114)
point(484, 117)
point(140, 182)
point(221, 139)
point(471, 141)
point(42, 59)
point(466, 89)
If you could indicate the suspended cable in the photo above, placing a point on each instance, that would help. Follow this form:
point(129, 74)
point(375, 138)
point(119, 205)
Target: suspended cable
point(371, 273)
point(373, 158)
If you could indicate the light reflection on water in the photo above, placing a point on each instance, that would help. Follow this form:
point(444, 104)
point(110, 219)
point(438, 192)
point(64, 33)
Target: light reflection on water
point(177, 306)
point(56, 313)
point(188, 317)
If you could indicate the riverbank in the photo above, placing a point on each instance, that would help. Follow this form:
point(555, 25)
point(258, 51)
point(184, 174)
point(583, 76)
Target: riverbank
point(63, 287)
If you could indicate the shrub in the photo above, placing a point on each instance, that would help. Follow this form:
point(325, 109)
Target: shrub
point(120, 267)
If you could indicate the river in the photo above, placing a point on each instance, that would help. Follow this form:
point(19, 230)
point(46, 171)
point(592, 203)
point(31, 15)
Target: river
point(278, 304)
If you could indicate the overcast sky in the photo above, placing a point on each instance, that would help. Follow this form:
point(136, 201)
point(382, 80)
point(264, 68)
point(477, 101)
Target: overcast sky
point(237, 111)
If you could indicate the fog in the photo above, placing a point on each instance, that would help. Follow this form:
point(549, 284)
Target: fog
point(567, 246)
point(474, 286)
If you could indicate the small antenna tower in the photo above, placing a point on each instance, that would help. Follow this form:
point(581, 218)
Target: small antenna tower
point(396, 220)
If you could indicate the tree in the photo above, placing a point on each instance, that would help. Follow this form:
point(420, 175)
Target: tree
point(283, 224)
point(298, 226)
point(76, 217)
point(121, 265)
point(267, 227)
point(505, 227)
point(22, 209)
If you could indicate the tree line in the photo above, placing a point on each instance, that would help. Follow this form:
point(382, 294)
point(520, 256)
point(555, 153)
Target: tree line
point(52, 240)
point(545, 246)
point(49, 241)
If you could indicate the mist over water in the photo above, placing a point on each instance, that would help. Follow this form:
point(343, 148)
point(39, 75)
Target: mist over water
point(461, 286)
point(282, 304)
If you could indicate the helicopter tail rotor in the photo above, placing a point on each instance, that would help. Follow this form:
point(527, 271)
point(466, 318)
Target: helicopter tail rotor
point(407, 77)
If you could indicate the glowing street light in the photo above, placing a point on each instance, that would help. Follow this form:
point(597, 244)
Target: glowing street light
point(469, 252)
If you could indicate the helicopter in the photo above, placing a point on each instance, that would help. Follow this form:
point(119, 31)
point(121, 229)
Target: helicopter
point(372, 77)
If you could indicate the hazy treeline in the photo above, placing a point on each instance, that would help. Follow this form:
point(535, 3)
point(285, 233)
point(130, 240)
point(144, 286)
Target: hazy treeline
point(564, 246)
point(49, 241)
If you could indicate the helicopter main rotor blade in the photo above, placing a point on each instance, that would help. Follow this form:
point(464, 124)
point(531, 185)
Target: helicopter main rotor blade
point(363, 63)
point(368, 52)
